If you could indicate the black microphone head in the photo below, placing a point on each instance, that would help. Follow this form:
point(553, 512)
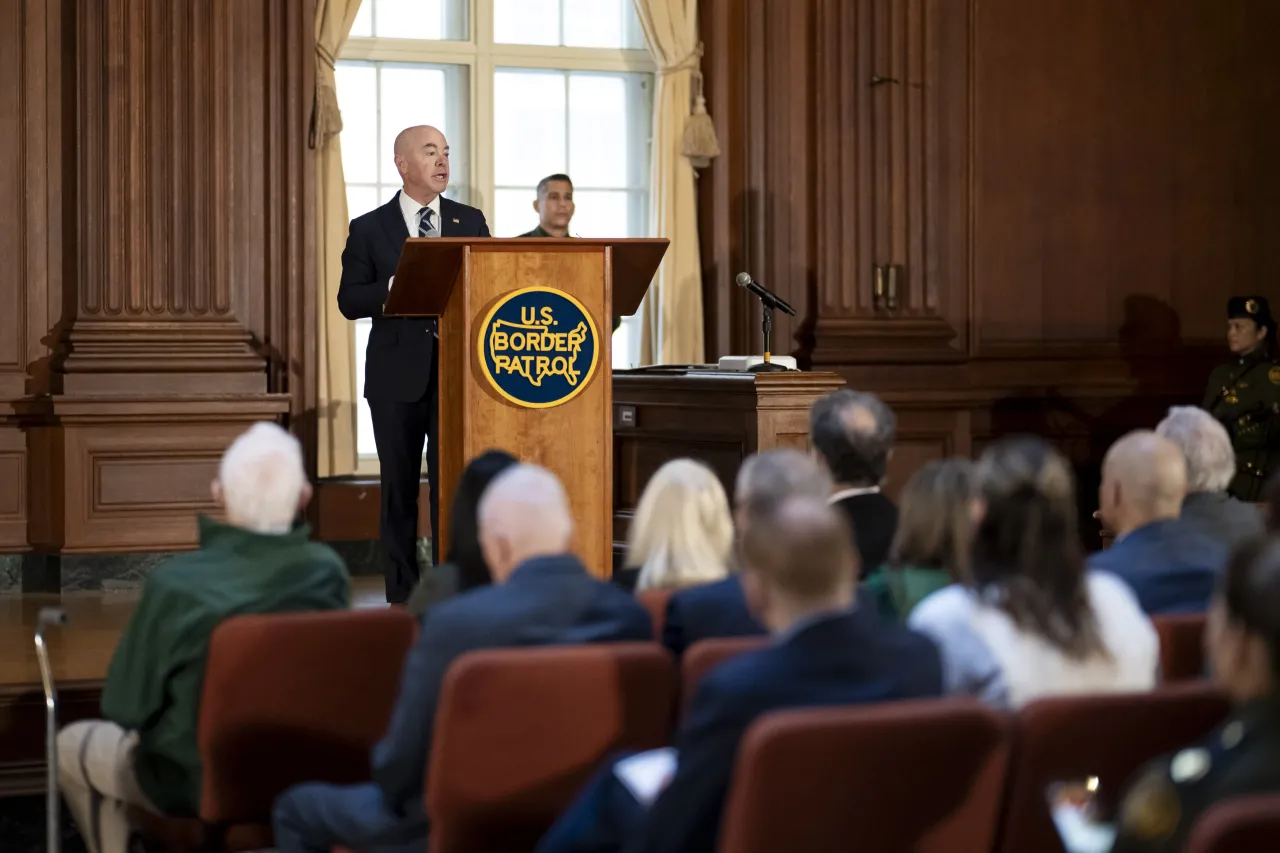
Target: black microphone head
point(744, 278)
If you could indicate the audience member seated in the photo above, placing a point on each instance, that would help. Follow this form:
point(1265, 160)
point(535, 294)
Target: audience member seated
point(800, 571)
point(1211, 465)
point(853, 433)
point(720, 609)
point(931, 548)
point(1242, 637)
point(541, 595)
point(1030, 622)
point(1170, 566)
point(144, 753)
point(682, 532)
point(464, 567)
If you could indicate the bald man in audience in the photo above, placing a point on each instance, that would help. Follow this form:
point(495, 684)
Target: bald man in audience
point(1171, 567)
point(260, 560)
point(720, 609)
point(541, 595)
point(800, 572)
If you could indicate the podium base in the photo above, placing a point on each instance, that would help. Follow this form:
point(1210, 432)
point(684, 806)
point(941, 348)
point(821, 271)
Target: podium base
point(768, 367)
point(756, 363)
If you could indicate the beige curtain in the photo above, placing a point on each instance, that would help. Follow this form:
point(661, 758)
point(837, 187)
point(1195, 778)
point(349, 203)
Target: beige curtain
point(671, 314)
point(336, 430)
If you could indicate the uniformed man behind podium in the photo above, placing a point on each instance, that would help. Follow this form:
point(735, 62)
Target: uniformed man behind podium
point(554, 205)
point(1242, 638)
point(1244, 394)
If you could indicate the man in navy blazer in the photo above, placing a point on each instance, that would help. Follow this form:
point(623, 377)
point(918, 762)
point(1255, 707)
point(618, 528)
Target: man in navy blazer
point(541, 595)
point(800, 570)
point(400, 371)
point(1171, 566)
point(720, 609)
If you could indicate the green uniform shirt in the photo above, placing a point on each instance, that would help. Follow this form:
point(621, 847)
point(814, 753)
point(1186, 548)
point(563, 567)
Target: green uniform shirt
point(153, 685)
point(1244, 395)
point(538, 232)
point(896, 590)
point(1240, 758)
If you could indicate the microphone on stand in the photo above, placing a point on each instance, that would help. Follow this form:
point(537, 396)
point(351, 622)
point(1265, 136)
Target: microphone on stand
point(768, 302)
point(767, 297)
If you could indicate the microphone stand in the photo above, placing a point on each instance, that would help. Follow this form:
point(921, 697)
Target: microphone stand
point(767, 366)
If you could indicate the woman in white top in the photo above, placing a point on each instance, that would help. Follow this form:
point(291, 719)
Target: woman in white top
point(1031, 622)
point(682, 532)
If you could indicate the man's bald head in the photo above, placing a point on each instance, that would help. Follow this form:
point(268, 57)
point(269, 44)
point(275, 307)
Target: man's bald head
point(523, 514)
point(422, 159)
point(1144, 479)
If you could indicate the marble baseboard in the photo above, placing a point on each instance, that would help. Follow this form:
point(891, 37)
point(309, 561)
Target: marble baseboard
point(119, 572)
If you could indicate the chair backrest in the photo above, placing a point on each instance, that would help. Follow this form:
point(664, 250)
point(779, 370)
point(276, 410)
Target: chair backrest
point(924, 775)
point(1181, 646)
point(705, 655)
point(289, 698)
point(519, 731)
point(1241, 825)
point(1108, 736)
point(655, 601)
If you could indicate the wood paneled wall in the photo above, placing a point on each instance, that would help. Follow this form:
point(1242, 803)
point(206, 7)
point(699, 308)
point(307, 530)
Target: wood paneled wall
point(1033, 212)
point(157, 186)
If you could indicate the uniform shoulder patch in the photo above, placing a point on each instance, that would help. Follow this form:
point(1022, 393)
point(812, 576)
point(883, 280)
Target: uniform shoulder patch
point(1152, 810)
point(1274, 375)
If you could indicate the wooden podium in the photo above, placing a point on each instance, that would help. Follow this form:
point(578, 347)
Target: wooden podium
point(464, 281)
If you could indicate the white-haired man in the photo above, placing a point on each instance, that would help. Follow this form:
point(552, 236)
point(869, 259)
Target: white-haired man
point(541, 595)
point(1211, 465)
point(143, 752)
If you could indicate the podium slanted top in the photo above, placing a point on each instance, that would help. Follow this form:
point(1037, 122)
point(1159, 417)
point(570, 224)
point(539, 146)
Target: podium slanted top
point(429, 267)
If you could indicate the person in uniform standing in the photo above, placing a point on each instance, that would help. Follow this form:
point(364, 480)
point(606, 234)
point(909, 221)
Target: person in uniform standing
point(1244, 394)
point(1242, 757)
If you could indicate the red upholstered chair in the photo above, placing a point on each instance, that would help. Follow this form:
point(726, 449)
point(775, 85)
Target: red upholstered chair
point(705, 655)
point(1242, 825)
point(519, 731)
point(1181, 646)
point(925, 776)
point(655, 601)
point(286, 699)
point(1108, 736)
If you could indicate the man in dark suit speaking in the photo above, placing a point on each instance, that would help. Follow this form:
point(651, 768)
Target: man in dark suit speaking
point(400, 367)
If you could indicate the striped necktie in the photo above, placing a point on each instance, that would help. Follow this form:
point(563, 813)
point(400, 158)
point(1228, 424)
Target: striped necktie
point(426, 223)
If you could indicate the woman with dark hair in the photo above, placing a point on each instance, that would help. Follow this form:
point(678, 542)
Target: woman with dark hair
point(931, 545)
point(1031, 621)
point(464, 567)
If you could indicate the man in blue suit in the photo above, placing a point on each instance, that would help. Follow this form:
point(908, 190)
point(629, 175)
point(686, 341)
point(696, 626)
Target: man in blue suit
point(1171, 566)
point(541, 595)
point(720, 609)
point(800, 570)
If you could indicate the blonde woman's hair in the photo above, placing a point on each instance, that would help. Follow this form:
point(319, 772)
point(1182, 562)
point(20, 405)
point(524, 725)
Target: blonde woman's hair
point(682, 532)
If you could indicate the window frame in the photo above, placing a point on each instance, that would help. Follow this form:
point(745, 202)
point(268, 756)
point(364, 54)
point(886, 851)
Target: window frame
point(482, 57)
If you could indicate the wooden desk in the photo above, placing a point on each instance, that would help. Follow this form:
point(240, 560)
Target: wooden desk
point(666, 413)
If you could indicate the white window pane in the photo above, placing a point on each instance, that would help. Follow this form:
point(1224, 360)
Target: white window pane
point(410, 96)
point(598, 130)
point(513, 212)
point(362, 26)
point(600, 213)
point(361, 199)
point(626, 343)
point(365, 445)
point(529, 126)
point(357, 86)
point(526, 21)
point(596, 23)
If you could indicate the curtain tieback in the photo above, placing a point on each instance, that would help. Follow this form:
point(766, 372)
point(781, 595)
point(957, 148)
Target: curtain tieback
point(326, 56)
point(691, 62)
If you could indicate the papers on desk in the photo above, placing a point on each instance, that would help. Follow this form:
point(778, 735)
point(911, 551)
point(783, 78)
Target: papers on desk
point(645, 774)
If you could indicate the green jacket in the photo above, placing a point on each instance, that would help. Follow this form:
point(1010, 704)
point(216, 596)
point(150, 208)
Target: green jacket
point(897, 590)
point(1244, 395)
point(153, 684)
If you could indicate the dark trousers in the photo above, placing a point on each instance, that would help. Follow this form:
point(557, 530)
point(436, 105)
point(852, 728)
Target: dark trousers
point(399, 430)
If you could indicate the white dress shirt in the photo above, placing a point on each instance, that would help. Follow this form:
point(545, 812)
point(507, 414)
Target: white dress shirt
point(411, 210)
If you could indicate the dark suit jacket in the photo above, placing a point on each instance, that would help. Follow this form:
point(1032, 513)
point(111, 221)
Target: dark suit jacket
point(874, 520)
point(850, 658)
point(711, 610)
point(401, 350)
point(546, 601)
point(1222, 518)
point(1170, 566)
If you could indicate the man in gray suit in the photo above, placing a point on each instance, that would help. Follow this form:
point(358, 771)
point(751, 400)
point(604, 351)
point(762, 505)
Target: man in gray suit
point(541, 595)
point(1211, 464)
